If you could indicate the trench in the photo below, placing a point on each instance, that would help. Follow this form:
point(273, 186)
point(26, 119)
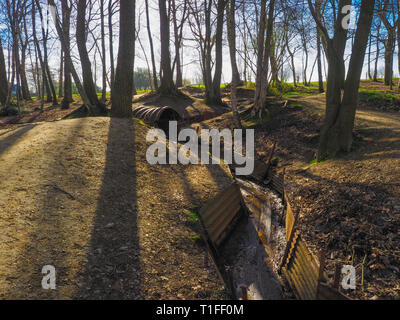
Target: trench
point(252, 266)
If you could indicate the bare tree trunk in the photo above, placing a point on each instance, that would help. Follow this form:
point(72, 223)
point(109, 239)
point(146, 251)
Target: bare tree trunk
point(178, 32)
point(61, 75)
point(103, 53)
point(259, 102)
point(167, 85)
point(369, 57)
point(123, 86)
point(319, 65)
point(68, 59)
point(87, 75)
point(3, 77)
point(231, 30)
point(336, 133)
point(375, 76)
point(51, 96)
point(216, 84)
point(232, 51)
point(45, 85)
point(153, 63)
point(111, 41)
point(66, 21)
point(389, 43)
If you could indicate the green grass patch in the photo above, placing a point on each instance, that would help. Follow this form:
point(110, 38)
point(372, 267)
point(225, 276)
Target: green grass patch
point(143, 91)
point(377, 96)
point(194, 237)
point(193, 217)
point(315, 162)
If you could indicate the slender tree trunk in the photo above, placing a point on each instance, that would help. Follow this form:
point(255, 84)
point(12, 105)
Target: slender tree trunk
point(167, 85)
point(68, 58)
point(319, 64)
point(103, 53)
point(350, 96)
point(134, 47)
point(389, 51)
point(375, 76)
point(178, 41)
point(231, 30)
point(153, 63)
point(155, 81)
point(123, 86)
point(111, 42)
point(87, 75)
point(51, 94)
point(232, 52)
point(216, 84)
point(207, 76)
point(369, 58)
point(3, 77)
point(66, 21)
point(260, 102)
point(61, 75)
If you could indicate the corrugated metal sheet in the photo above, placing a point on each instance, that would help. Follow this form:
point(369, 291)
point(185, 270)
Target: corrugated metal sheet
point(277, 182)
point(158, 117)
point(217, 214)
point(301, 269)
point(290, 219)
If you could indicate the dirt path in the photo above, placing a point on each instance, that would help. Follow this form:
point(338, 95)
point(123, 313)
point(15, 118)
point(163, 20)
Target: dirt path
point(79, 195)
point(363, 116)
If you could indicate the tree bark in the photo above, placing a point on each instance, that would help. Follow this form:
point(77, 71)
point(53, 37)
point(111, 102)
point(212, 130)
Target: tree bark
point(231, 31)
point(3, 77)
point(216, 84)
point(61, 74)
point(319, 64)
point(167, 86)
point(336, 133)
point(375, 76)
point(259, 102)
point(87, 75)
point(153, 63)
point(66, 21)
point(103, 54)
point(111, 42)
point(123, 86)
point(67, 53)
point(51, 93)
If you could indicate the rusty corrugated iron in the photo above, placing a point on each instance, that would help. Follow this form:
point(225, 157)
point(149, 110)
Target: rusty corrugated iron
point(218, 214)
point(301, 269)
point(290, 219)
point(276, 181)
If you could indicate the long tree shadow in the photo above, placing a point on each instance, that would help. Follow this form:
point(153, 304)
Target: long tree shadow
point(113, 267)
point(7, 142)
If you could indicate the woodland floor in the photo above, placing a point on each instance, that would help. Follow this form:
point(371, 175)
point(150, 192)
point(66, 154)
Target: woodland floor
point(349, 205)
point(79, 194)
point(73, 195)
